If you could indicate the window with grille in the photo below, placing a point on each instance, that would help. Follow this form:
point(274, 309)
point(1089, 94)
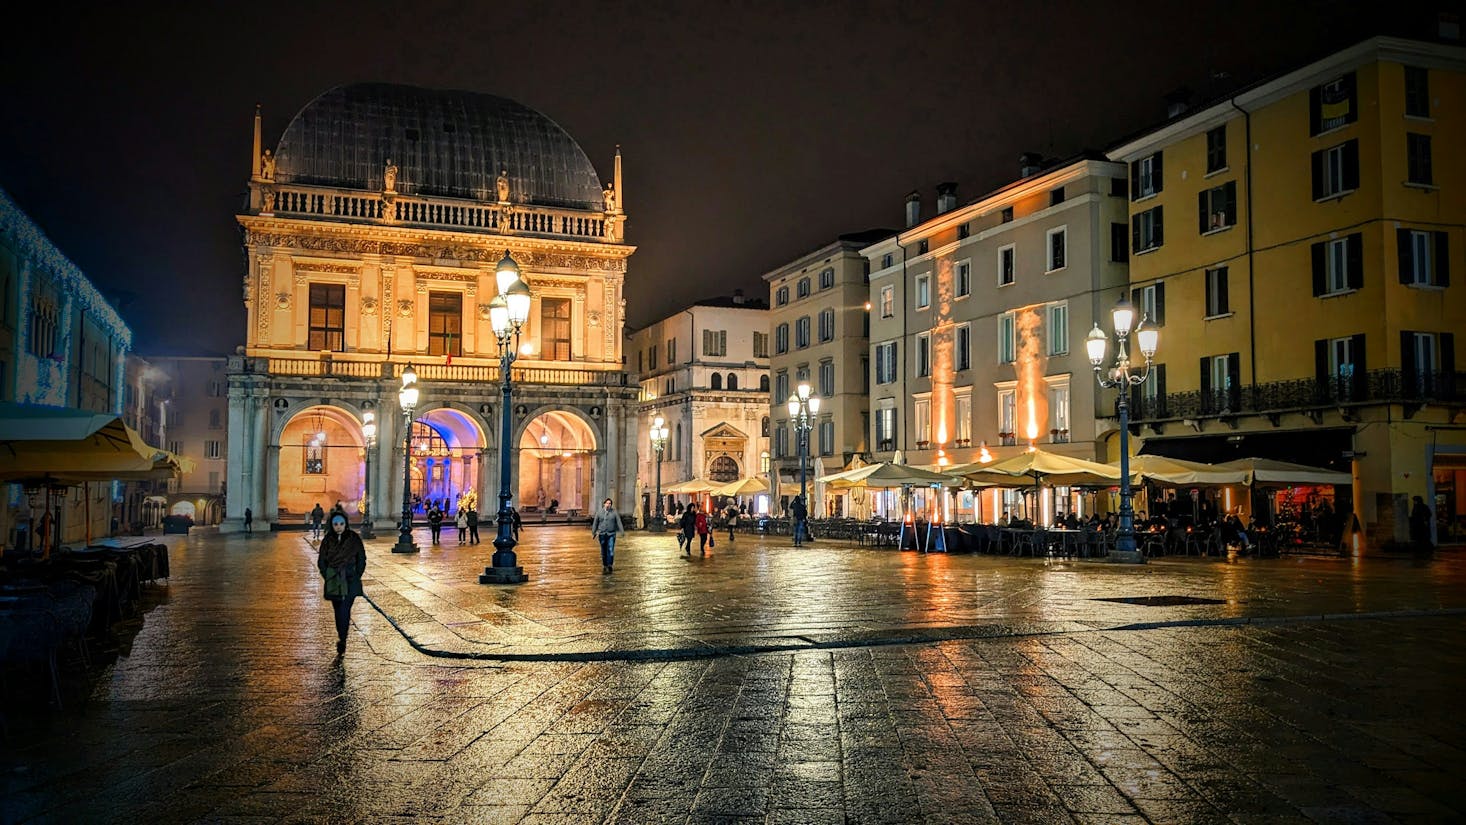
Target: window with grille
point(327, 317)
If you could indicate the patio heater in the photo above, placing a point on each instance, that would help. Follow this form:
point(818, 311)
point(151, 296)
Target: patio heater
point(659, 446)
point(1120, 376)
point(508, 311)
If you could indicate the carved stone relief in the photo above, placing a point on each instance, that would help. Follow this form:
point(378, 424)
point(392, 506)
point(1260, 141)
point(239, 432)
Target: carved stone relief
point(284, 300)
point(369, 305)
point(404, 308)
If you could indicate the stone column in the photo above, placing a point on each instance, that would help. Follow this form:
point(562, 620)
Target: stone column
point(239, 471)
point(609, 476)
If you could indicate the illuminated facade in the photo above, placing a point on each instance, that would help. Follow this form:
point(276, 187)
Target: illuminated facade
point(372, 235)
point(1299, 243)
point(194, 426)
point(978, 317)
point(819, 327)
point(61, 345)
point(706, 371)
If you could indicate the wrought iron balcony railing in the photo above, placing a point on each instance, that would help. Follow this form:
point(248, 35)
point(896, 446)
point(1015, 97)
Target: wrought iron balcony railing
point(1374, 387)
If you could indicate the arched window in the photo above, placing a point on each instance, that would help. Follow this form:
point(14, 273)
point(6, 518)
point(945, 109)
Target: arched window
point(716, 382)
point(763, 383)
point(732, 380)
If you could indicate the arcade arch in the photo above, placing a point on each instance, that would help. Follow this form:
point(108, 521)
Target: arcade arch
point(557, 452)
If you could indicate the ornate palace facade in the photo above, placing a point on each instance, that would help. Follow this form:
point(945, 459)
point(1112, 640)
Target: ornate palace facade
point(372, 235)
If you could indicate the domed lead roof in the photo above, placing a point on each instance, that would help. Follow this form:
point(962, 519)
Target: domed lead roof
point(444, 143)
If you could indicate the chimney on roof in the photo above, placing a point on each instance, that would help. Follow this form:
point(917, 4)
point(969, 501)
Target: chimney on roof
point(1029, 164)
point(738, 297)
point(946, 197)
point(913, 209)
point(1178, 101)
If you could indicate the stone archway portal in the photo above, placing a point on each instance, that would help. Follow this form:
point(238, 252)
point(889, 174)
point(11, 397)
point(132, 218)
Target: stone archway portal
point(557, 464)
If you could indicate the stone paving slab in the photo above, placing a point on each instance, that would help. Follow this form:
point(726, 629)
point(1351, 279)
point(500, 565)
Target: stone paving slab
point(760, 594)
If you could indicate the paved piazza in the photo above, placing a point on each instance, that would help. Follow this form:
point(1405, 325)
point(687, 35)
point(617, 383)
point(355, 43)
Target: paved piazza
point(764, 684)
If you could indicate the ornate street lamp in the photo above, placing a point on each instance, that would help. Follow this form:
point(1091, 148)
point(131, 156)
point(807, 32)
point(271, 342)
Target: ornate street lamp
point(407, 398)
point(1147, 339)
point(802, 409)
point(369, 434)
point(507, 313)
point(659, 446)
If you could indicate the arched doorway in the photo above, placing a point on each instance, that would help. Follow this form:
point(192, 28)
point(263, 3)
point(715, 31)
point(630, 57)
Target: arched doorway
point(184, 508)
point(322, 458)
point(723, 470)
point(446, 458)
point(556, 463)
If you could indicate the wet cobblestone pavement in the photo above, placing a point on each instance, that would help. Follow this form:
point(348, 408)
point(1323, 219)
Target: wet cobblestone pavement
point(233, 707)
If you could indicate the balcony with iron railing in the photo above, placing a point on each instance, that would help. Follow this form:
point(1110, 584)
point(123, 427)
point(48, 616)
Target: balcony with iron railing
point(1384, 386)
point(438, 213)
point(476, 370)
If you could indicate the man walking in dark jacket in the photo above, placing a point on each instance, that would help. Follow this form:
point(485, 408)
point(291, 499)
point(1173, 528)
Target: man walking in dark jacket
point(800, 514)
point(473, 526)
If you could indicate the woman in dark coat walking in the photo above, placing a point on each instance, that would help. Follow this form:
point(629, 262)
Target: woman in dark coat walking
point(341, 560)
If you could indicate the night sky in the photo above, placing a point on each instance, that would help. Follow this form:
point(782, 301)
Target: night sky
point(751, 132)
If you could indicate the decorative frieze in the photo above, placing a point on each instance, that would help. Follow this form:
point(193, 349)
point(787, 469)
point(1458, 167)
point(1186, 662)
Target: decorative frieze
point(528, 258)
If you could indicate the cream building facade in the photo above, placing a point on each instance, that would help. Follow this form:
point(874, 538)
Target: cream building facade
point(820, 323)
point(195, 426)
point(978, 319)
point(705, 370)
point(372, 236)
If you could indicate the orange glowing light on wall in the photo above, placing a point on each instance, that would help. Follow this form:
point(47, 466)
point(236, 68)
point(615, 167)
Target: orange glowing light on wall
point(983, 455)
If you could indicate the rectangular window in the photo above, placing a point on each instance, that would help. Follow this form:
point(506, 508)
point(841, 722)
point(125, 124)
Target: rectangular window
point(923, 354)
point(962, 279)
point(1006, 215)
point(781, 296)
point(781, 386)
point(827, 379)
point(827, 277)
point(315, 457)
point(923, 246)
point(781, 437)
point(921, 418)
point(1220, 383)
point(888, 301)
point(1417, 162)
point(1151, 301)
point(1424, 257)
point(1058, 239)
point(1005, 265)
point(760, 345)
point(962, 344)
point(1216, 149)
point(1216, 292)
point(1056, 196)
point(1059, 413)
point(1341, 365)
point(555, 331)
point(802, 290)
point(885, 362)
point(1336, 170)
point(1007, 416)
point(781, 339)
point(963, 413)
point(1119, 243)
point(327, 317)
point(1332, 105)
point(212, 450)
point(1338, 265)
point(923, 291)
point(827, 325)
point(1145, 177)
point(887, 260)
point(1147, 231)
point(175, 447)
point(715, 342)
point(445, 323)
point(1119, 188)
point(1058, 325)
point(671, 351)
point(653, 353)
point(1007, 338)
point(964, 230)
point(801, 333)
point(1423, 354)
point(886, 428)
point(1217, 207)
point(827, 437)
point(1417, 91)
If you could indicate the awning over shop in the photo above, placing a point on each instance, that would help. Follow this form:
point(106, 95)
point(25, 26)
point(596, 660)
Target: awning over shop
point(691, 487)
point(886, 475)
point(1179, 473)
point(1040, 467)
point(742, 487)
point(1324, 447)
point(1270, 471)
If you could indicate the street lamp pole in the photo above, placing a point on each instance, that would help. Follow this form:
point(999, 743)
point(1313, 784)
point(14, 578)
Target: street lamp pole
point(508, 311)
point(407, 399)
point(802, 409)
point(369, 433)
point(1147, 340)
point(659, 446)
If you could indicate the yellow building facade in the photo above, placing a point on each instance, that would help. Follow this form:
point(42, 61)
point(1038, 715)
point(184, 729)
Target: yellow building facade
point(1297, 244)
